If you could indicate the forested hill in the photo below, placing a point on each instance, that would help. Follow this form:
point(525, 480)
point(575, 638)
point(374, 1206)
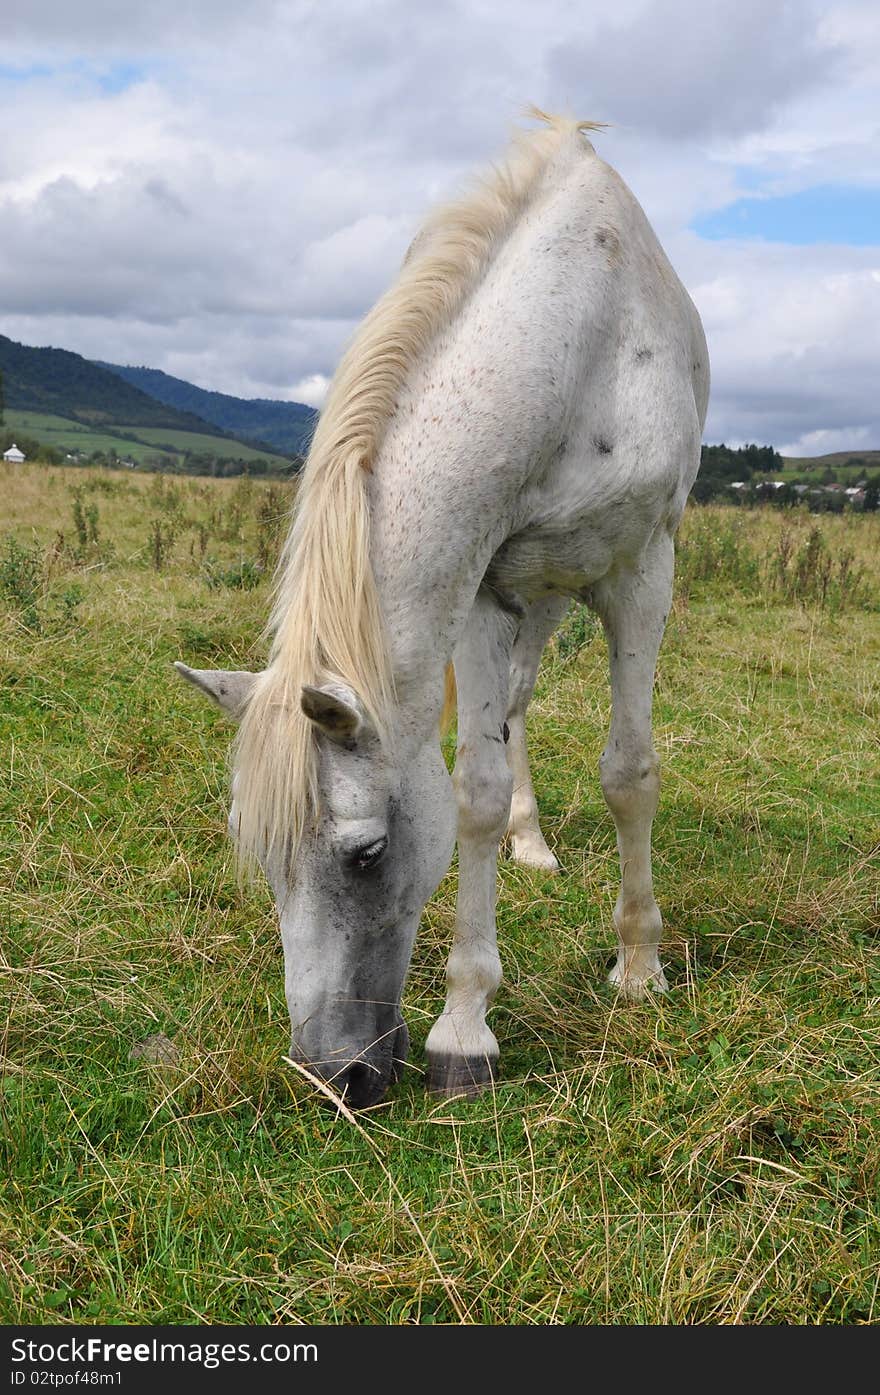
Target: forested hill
point(67, 385)
point(285, 425)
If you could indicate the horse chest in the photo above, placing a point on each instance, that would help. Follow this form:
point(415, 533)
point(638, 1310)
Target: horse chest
point(539, 561)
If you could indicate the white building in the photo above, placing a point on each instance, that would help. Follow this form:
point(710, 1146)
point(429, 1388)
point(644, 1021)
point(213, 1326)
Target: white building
point(14, 455)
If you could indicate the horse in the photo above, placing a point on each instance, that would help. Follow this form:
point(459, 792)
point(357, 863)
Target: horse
point(516, 422)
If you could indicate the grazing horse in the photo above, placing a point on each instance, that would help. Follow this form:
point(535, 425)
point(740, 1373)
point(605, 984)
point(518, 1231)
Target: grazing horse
point(516, 422)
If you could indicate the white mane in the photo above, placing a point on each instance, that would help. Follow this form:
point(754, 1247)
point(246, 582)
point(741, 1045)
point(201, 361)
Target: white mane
point(326, 621)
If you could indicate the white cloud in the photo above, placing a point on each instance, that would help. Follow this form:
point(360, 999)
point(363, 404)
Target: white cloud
point(794, 337)
point(221, 190)
point(826, 442)
point(311, 390)
point(347, 271)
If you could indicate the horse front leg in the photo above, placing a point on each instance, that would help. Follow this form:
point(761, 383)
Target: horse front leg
point(633, 606)
point(524, 830)
point(461, 1049)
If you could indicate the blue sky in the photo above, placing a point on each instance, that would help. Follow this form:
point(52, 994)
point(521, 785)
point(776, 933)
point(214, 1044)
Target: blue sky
point(221, 190)
point(109, 77)
point(825, 213)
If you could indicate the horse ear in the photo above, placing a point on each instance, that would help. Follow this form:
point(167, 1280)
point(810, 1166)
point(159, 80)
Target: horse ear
point(336, 711)
point(231, 689)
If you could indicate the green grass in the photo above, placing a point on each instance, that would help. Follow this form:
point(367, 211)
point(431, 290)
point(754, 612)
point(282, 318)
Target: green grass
point(711, 1157)
point(852, 463)
point(158, 437)
point(136, 443)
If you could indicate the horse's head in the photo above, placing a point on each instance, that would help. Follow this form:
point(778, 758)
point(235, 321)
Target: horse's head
point(350, 898)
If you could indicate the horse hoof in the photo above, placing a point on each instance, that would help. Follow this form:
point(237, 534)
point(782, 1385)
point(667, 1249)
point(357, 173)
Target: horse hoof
point(460, 1077)
point(535, 855)
point(636, 988)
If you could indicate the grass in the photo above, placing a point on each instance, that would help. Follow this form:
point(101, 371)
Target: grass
point(133, 443)
point(709, 1158)
point(850, 465)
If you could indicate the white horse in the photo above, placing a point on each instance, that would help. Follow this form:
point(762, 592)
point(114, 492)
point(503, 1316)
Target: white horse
point(517, 421)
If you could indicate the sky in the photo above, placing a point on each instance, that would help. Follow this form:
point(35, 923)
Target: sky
point(222, 188)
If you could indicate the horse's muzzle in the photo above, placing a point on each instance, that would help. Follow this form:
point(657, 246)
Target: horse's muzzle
point(362, 1078)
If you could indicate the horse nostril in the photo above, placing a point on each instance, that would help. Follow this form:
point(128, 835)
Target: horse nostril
point(360, 1085)
point(357, 1082)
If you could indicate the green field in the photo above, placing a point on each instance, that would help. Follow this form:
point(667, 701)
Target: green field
point(849, 467)
point(709, 1158)
point(137, 443)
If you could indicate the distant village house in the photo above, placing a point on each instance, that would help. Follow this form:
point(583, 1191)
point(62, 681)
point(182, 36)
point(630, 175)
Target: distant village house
point(14, 455)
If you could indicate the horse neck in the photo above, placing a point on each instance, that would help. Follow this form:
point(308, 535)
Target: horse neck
point(433, 535)
point(485, 404)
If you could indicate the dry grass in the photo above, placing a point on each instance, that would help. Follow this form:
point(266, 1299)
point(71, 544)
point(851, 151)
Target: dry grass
point(709, 1158)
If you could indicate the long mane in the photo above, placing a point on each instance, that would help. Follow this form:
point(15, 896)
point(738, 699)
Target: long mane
point(326, 621)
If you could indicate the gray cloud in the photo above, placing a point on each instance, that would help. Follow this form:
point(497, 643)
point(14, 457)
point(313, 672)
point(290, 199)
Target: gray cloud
point(682, 69)
point(222, 190)
point(794, 337)
point(48, 27)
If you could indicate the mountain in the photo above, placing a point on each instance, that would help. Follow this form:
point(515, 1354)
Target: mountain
point(65, 384)
point(287, 426)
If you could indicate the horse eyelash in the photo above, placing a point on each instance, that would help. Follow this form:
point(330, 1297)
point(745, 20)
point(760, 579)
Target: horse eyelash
point(368, 856)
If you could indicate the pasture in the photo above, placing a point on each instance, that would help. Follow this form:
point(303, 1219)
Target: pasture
point(138, 443)
point(711, 1157)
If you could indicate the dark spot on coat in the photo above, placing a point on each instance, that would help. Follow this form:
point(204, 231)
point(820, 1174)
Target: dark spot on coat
point(643, 355)
point(603, 445)
point(505, 732)
point(608, 238)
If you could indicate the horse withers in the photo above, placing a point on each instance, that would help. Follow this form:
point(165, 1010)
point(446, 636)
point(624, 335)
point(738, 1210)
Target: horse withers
point(517, 421)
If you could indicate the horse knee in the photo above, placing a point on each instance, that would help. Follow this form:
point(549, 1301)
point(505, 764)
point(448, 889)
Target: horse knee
point(483, 788)
point(630, 783)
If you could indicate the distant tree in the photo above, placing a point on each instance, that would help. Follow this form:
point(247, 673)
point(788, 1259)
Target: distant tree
point(724, 462)
point(872, 497)
point(786, 497)
point(706, 488)
point(721, 466)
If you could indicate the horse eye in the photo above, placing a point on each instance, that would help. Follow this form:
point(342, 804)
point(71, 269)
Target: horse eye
point(365, 858)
